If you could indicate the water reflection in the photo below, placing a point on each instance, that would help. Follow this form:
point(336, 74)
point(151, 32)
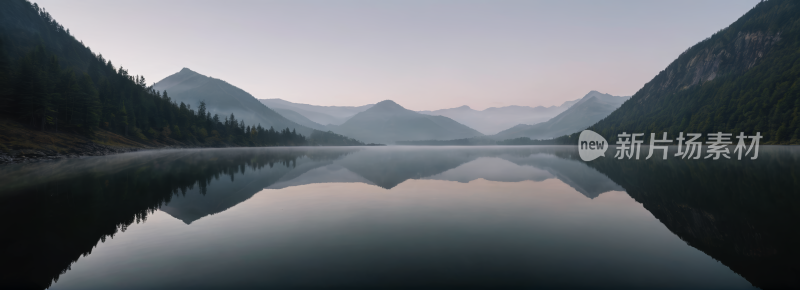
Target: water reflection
point(740, 213)
point(419, 233)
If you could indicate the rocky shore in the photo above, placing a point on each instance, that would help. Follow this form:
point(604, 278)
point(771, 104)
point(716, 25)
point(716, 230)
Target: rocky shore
point(85, 149)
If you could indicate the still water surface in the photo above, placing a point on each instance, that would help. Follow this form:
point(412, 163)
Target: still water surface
point(410, 217)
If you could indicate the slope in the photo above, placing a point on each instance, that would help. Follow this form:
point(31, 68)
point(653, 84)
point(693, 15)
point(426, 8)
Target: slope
point(387, 122)
point(588, 110)
point(223, 98)
point(299, 119)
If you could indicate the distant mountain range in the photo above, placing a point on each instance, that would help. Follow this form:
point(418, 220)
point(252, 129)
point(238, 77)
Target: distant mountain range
point(585, 112)
point(489, 121)
point(387, 122)
point(548, 122)
point(493, 120)
point(223, 98)
point(322, 115)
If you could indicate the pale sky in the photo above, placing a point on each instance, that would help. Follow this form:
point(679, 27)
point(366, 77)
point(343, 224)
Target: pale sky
point(425, 55)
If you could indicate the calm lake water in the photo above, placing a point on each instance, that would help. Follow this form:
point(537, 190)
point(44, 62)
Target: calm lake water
point(405, 217)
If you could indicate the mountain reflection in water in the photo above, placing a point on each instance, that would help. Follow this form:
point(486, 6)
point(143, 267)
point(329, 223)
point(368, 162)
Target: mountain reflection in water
point(402, 216)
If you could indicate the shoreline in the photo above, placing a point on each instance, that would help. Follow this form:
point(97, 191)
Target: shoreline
point(91, 149)
point(44, 155)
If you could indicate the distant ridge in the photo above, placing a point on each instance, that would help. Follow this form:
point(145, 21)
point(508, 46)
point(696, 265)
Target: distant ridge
point(323, 115)
point(493, 120)
point(593, 107)
point(387, 122)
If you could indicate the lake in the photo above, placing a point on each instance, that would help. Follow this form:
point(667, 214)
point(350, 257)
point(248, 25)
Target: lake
point(400, 217)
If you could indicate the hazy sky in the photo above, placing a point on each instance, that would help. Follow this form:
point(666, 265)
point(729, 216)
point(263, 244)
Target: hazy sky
point(423, 54)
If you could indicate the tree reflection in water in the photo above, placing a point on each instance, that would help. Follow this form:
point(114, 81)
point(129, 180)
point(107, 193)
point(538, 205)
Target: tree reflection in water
point(742, 213)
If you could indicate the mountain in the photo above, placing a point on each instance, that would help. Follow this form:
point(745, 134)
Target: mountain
point(744, 78)
point(323, 115)
point(588, 110)
point(387, 122)
point(493, 120)
point(223, 98)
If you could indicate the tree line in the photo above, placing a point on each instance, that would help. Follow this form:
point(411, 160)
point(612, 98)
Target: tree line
point(52, 82)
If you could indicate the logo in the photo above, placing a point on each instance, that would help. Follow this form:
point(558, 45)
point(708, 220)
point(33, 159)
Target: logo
point(591, 145)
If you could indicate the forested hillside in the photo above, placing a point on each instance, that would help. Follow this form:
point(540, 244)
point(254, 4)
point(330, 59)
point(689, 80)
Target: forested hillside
point(50, 81)
point(744, 78)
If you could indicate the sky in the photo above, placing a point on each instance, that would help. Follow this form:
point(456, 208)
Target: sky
point(425, 55)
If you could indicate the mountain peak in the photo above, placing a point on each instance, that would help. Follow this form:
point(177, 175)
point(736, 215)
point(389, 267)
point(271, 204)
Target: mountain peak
point(594, 93)
point(186, 70)
point(388, 104)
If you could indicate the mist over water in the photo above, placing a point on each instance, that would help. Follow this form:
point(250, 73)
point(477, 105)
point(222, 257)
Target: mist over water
point(423, 217)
